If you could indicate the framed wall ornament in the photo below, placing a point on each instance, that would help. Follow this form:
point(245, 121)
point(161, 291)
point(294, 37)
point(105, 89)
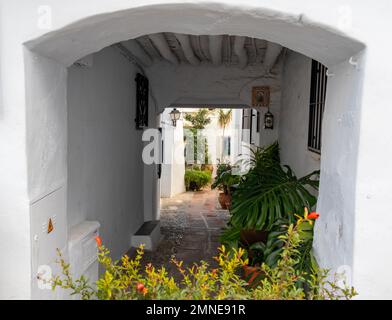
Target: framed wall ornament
point(141, 102)
point(261, 96)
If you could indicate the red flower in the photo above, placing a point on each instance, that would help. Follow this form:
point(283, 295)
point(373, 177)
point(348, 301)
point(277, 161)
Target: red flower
point(313, 215)
point(140, 287)
point(98, 240)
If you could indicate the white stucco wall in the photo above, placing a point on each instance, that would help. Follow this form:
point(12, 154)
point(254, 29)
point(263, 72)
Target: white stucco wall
point(173, 166)
point(355, 178)
point(294, 115)
point(337, 232)
point(105, 169)
point(187, 86)
point(205, 85)
point(47, 169)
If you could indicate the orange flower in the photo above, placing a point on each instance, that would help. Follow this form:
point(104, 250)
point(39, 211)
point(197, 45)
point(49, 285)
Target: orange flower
point(313, 215)
point(144, 291)
point(98, 240)
point(140, 287)
point(149, 267)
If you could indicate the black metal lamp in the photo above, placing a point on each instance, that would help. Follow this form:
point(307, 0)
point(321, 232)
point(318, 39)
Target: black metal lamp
point(175, 116)
point(268, 120)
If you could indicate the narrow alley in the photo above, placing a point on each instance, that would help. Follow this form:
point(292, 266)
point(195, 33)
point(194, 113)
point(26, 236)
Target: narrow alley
point(191, 224)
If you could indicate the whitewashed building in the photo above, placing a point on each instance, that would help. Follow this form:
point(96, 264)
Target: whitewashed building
point(70, 151)
point(173, 160)
point(223, 145)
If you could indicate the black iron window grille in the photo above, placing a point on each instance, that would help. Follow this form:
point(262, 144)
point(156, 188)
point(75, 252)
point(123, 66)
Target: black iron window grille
point(141, 102)
point(318, 90)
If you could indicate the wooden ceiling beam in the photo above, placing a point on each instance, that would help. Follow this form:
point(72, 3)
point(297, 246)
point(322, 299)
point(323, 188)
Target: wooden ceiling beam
point(240, 51)
point(271, 55)
point(137, 51)
point(186, 46)
point(160, 43)
point(215, 45)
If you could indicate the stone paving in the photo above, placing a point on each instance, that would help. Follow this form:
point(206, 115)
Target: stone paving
point(191, 224)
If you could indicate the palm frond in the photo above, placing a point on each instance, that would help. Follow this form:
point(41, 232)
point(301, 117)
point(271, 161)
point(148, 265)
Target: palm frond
point(224, 117)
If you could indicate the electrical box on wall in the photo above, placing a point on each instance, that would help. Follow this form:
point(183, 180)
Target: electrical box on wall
point(48, 233)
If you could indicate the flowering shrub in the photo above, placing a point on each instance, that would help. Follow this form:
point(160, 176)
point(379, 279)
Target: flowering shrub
point(127, 280)
point(269, 251)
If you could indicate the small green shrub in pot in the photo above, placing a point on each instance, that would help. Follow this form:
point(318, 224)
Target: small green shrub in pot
point(225, 181)
point(195, 180)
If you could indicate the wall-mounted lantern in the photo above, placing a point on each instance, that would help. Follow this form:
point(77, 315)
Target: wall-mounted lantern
point(175, 116)
point(268, 120)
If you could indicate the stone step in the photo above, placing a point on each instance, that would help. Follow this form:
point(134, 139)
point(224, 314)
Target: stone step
point(148, 234)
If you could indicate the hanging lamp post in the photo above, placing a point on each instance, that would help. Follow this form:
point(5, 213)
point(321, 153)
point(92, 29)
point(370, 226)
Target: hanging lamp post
point(175, 116)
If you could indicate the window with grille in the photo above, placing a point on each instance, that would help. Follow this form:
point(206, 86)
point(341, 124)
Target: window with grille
point(248, 117)
point(318, 90)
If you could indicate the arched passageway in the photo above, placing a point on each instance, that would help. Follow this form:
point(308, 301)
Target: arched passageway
point(47, 59)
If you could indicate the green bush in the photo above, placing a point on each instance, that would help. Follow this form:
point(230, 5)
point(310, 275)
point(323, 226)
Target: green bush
point(126, 279)
point(196, 179)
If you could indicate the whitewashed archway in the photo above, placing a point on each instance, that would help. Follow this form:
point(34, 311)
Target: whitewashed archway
point(93, 28)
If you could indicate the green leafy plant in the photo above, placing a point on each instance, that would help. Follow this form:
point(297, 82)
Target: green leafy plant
point(224, 119)
point(264, 156)
point(198, 121)
point(126, 279)
point(225, 179)
point(269, 192)
point(270, 251)
point(195, 180)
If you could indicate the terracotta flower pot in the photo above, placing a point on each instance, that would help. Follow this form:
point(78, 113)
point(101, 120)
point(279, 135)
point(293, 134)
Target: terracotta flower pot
point(224, 200)
point(249, 236)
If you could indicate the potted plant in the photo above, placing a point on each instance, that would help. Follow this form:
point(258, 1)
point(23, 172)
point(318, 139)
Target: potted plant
point(269, 252)
point(225, 180)
point(267, 193)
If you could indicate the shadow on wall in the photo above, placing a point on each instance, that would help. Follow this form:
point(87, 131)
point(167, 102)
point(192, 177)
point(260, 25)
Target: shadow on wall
point(104, 177)
point(1, 81)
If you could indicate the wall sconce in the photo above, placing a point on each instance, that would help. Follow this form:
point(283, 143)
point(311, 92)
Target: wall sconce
point(268, 120)
point(175, 116)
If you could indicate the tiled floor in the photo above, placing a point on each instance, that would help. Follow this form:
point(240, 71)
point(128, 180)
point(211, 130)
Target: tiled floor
point(191, 224)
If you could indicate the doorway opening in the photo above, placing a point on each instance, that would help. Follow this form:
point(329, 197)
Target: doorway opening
point(90, 134)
